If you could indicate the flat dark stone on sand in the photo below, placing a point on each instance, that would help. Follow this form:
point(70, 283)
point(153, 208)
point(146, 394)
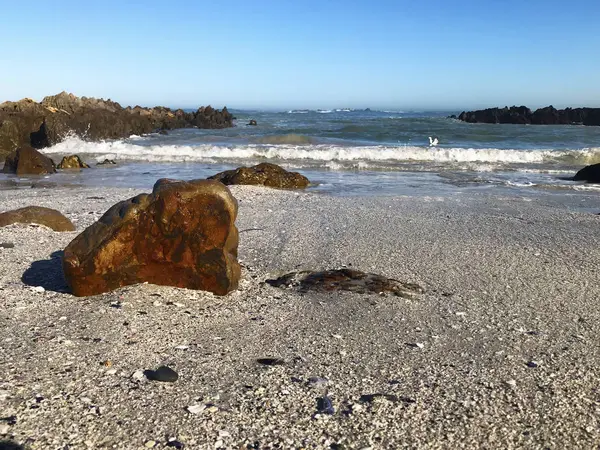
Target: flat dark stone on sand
point(271, 361)
point(163, 373)
point(7, 245)
point(325, 405)
point(345, 280)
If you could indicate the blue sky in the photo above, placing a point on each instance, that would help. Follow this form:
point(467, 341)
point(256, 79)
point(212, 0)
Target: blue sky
point(305, 54)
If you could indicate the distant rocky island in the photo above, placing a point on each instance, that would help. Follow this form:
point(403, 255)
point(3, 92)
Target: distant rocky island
point(29, 123)
point(524, 116)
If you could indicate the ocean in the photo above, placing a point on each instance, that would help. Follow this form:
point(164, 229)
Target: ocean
point(354, 152)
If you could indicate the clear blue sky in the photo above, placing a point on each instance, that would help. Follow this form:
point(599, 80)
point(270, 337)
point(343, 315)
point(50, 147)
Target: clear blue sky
point(305, 53)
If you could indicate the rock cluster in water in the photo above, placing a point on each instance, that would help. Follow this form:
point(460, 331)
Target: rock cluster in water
point(183, 235)
point(264, 174)
point(29, 123)
point(543, 116)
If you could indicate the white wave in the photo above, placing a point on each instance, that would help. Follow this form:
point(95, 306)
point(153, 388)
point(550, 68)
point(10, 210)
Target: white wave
point(324, 111)
point(322, 152)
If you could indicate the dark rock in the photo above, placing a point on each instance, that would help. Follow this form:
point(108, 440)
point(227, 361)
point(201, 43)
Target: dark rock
point(183, 235)
point(252, 123)
point(264, 174)
point(271, 361)
point(28, 161)
point(7, 245)
point(72, 162)
point(43, 124)
point(163, 373)
point(346, 280)
point(39, 215)
point(590, 174)
point(107, 162)
point(543, 116)
point(163, 132)
point(325, 405)
point(369, 398)
point(174, 443)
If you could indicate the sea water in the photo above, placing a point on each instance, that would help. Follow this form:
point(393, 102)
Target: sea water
point(353, 152)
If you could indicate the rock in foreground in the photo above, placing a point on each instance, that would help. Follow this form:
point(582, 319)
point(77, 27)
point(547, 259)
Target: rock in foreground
point(346, 280)
point(72, 162)
point(264, 174)
point(37, 214)
point(183, 235)
point(28, 161)
point(591, 174)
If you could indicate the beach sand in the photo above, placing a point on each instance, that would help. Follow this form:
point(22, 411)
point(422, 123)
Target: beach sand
point(507, 331)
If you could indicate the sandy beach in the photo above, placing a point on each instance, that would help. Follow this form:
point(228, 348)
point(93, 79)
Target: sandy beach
point(500, 351)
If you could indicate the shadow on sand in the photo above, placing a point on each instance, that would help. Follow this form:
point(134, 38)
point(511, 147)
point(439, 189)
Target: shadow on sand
point(47, 273)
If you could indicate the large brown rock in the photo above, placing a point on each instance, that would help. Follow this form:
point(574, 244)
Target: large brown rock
point(39, 215)
point(183, 234)
point(72, 162)
point(28, 161)
point(264, 174)
point(50, 121)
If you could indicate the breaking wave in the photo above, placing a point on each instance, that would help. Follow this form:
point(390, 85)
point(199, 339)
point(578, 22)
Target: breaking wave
point(297, 147)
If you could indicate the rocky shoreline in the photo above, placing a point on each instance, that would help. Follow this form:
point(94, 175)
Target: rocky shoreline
point(39, 125)
point(524, 116)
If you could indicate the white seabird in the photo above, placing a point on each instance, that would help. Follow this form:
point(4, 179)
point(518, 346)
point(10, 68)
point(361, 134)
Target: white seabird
point(433, 141)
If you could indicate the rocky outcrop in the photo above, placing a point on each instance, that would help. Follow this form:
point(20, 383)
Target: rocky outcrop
point(39, 215)
point(543, 116)
point(72, 162)
point(183, 234)
point(48, 122)
point(264, 174)
point(28, 161)
point(345, 280)
point(590, 174)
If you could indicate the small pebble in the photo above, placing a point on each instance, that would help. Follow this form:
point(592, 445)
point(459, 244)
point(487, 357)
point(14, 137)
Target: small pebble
point(38, 289)
point(325, 405)
point(511, 383)
point(182, 347)
point(4, 429)
point(174, 443)
point(7, 245)
point(271, 361)
point(150, 444)
point(138, 375)
point(163, 373)
point(196, 409)
point(533, 364)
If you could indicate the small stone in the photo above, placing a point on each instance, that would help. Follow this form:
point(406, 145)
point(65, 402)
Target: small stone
point(150, 444)
point(219, 443)
point(111, 372)
point(532, 364)
point(4, 429)
point(196, 409)
point(271, 361)
point(138, 375)
point(38, 289)
point(182, 347)
point(511, 383)
point(318, 381)
point(7, 245)
point(163, 373)
point(174, 443)
point(212, 409)
point(325, 405)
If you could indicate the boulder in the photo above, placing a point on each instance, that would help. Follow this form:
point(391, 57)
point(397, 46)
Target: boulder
point(72, 162)
point(590, 174)
point(542, 116)
point(345, 280)
point(264, 174)
point(252, 123)
point(50, 121)
point(39, 215)
point(28, 161)
point(183, 234)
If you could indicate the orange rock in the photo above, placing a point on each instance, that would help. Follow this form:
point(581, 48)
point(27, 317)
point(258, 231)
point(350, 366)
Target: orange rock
point(263, 174)
point(183, 234)
point(37, 214)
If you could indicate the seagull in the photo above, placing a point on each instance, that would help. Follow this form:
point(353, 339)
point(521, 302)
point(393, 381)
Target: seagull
point(433, 141)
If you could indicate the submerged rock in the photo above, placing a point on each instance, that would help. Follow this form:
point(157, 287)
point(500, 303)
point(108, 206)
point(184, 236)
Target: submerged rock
point(39, 215)
point(72, 162)
point(252, 123)
point(107, 162)
point(183, 235)
point(590, 174)
point(264, 174)
point(346, 280)
point(28, 161)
